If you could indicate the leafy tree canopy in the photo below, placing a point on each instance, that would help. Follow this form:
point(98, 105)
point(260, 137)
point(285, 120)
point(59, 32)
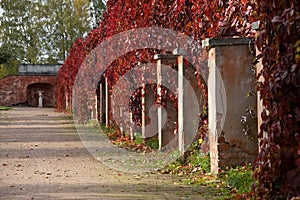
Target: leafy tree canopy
point(43, 31)
point(8, 62)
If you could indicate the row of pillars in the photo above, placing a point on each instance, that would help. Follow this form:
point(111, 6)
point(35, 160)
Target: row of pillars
point(104, 91)
point(228, 61)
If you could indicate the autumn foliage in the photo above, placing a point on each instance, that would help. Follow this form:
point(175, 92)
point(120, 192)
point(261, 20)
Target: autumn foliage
point(200, 19)
point(67, 73)
point(278, 41)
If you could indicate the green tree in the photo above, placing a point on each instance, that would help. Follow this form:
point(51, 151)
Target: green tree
point(96, 11)
point(8, 63)
point(20, 28)
point(43, 31)
point(67, 21)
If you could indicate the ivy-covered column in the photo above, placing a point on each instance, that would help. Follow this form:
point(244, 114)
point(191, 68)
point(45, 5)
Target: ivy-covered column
point(232, 122)
point(259, 67)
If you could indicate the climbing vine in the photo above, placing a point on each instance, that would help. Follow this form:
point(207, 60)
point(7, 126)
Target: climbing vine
point(280, 93)
point(67, 74)
point(279, 45)
point(198, 19)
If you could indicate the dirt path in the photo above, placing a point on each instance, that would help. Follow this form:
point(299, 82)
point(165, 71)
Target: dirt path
point(42, 157)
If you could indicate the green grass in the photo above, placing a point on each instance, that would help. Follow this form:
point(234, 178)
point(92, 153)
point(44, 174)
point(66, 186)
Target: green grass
point(5, 108)
point(229, 184)
point(239, 179)
point(153, 143)
point(194, 168)
point(138, 139)
point(92, 124)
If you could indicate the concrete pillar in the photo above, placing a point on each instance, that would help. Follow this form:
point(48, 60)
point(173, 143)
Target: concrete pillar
point(101, 103)
point(229, 81)
point(121, 115)
point(143, 98)
point(67, 100)
point(180, 105)
point(96, 107)
point(160, 58)
point(143, 111)
point(106, 103)
point(130, 128)
point(159, 110)
point(181, 123)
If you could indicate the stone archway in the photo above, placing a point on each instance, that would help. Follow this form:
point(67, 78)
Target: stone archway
point(47, 91)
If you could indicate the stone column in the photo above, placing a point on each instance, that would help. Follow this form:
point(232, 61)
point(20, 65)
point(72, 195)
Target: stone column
point(181, 141)
point(96, 107)
point(229, 82)
point(67, 100)
point(144, 111)
point(130, 128)
point(181, 124)
point(143, 102)
point(159, 111)
point(101, 103)
point(106, 103)
point(160, 117)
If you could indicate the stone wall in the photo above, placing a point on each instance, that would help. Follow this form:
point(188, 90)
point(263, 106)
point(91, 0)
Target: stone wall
point(16, 90)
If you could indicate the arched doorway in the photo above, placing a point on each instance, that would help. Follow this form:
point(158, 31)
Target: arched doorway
point(47, 94)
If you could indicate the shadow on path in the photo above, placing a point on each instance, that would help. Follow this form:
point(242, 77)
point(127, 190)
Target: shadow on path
point(42, 157)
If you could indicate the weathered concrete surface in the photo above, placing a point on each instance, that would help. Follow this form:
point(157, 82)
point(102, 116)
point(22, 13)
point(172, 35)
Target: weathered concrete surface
point(42, 157)
point(229, 82)
point(23, 89)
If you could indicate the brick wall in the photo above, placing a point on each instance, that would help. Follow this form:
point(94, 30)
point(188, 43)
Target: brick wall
point(23, 89)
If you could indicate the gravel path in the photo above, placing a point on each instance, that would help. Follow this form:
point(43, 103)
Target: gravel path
point(42, 157)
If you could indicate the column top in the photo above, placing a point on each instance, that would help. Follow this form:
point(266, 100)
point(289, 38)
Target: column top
point(179, 52)
point(165, 57)
point(212, 42)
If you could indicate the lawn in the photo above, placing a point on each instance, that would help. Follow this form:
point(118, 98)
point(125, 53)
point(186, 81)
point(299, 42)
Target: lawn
point(5, 108)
